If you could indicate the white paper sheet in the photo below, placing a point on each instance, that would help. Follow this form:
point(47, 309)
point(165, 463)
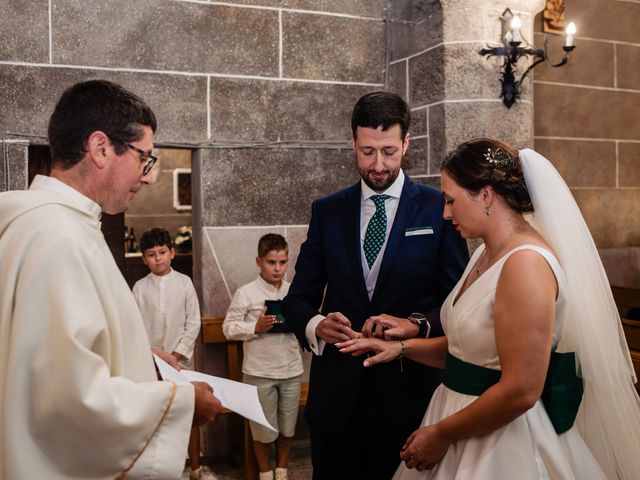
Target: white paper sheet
point(237, 397)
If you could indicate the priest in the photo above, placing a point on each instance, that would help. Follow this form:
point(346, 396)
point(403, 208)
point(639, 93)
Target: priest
point(79, 396)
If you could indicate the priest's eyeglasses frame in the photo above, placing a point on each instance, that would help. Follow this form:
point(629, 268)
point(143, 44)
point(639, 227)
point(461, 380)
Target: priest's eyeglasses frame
point(148, 158)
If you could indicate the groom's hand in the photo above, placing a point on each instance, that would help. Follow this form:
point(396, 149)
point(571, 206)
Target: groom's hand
point(335, 328)
point(389, 327)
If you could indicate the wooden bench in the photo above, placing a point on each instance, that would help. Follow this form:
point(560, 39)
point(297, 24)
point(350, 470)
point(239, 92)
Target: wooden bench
point(630, 298)
point(212, 334)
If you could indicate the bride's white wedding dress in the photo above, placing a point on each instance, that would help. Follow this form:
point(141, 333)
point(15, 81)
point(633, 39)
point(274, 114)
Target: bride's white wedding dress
point(527, 448)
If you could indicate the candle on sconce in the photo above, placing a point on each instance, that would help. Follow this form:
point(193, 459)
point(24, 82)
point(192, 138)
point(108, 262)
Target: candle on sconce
point(516, 25)
point(513, 46)
point(570, 32)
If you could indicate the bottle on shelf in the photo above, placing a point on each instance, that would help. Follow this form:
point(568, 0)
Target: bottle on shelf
point(126, 239)
point(132, 242)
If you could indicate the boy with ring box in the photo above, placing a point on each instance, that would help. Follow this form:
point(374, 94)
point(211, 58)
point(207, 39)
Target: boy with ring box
point(271, 354)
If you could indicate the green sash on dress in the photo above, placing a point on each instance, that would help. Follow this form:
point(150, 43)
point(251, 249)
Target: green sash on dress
point(561, 395)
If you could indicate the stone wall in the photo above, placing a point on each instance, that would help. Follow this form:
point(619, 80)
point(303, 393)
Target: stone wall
point(453, 91)
point(586, 117)
point(250, 71)
point(13, 164)
point(416, 71)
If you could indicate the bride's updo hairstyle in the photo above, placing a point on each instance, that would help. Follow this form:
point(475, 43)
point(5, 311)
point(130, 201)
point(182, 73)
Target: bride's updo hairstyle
point(487, 162)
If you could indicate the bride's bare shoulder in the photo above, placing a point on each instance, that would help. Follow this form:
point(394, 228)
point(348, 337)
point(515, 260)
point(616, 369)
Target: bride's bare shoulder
point(533, 237)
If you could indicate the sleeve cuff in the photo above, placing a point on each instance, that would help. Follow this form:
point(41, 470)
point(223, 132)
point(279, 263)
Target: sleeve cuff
point(316, 344)
point(164, 453)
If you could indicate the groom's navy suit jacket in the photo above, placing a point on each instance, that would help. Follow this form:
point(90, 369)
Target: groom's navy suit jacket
point(417, 273)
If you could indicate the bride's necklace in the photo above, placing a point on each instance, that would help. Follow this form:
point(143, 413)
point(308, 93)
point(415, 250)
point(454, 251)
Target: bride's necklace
point(482, 255)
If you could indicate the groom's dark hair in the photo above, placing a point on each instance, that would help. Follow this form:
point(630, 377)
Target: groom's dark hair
point(384, 109)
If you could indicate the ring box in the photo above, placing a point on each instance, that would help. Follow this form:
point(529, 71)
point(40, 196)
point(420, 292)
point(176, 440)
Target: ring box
point(280, 325)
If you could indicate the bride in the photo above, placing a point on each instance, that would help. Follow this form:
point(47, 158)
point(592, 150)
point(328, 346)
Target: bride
point(538, 382)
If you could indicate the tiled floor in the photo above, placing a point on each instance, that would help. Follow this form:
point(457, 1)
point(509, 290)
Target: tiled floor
point(299, 465)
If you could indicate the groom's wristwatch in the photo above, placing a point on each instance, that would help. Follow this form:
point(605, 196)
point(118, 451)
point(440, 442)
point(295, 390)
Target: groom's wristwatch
point(423, 324)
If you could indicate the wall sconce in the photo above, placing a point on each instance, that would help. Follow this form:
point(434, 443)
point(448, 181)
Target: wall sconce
point(512, 52)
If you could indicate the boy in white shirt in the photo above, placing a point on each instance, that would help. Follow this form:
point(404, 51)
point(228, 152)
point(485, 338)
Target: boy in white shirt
point(272, 361)
point(171, 313)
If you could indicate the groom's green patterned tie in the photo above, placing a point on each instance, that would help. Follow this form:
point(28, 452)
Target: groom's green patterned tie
point(376, 230)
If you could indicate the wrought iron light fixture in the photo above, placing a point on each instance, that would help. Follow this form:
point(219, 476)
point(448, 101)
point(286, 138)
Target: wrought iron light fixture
point(512, 52)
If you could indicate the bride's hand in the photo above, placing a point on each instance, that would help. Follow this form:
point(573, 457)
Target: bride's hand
point(385, 351)
point(424, 449)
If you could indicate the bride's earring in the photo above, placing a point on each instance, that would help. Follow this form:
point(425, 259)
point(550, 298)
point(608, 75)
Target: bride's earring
point(487, 211)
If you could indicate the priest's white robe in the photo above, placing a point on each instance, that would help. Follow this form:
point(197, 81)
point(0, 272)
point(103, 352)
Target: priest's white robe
point(79, 397)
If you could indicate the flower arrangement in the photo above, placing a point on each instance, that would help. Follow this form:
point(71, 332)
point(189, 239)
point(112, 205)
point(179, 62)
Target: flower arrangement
point(182, 240)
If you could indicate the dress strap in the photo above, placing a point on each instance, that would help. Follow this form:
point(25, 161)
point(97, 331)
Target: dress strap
point(548, 256)
point(551, 260)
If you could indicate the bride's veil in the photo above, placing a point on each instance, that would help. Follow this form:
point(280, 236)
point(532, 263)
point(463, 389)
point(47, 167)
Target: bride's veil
point(609, 417)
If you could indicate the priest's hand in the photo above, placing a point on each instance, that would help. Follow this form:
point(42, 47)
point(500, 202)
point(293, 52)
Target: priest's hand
point(207, 406)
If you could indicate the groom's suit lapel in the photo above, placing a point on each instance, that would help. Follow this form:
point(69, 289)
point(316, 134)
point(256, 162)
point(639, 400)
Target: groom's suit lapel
point(407, 209)
point(351, 228)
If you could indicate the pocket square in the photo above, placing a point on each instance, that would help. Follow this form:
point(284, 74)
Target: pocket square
point(409, 232)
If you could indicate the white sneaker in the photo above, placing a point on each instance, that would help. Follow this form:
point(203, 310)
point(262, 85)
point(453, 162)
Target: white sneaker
point(202, 473)
point(282, 474)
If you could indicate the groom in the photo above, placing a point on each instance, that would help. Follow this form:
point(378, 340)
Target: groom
point(378, 252)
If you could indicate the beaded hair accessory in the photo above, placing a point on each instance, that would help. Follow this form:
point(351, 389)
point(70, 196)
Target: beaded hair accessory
point(498, 157)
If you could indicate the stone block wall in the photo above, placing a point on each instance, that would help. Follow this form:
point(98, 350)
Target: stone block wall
point(416, 71)
point(453, 91)
point(586, 117)
point(215, 73)
point(13, 164)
